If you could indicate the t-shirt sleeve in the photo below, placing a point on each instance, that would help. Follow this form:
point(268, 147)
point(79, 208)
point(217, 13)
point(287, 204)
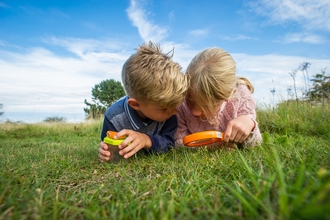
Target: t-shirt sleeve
point(164, 140)
point(106, 126)
point(247, 107)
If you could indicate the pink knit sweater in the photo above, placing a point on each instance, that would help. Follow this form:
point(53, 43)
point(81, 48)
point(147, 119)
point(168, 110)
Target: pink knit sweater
point(242, 103)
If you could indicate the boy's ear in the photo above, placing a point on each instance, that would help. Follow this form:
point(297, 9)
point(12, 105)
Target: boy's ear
point(134, 103)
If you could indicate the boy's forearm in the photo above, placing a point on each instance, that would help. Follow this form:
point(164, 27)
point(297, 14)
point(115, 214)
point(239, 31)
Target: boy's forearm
point(164, 140)
point(161, 144)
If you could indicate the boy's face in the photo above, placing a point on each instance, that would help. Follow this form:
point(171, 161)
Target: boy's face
point(155, 112)
point(152, 111)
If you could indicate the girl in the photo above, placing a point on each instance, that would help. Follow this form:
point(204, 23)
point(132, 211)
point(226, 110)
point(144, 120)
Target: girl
point(218, 100)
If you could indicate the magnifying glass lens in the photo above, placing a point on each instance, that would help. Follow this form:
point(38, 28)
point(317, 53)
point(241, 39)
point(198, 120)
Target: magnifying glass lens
point(202, 138)
point(205, 141)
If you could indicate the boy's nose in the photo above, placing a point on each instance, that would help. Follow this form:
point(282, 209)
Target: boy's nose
point(173, 112)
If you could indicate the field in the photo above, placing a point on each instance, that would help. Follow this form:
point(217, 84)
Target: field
point(51, 171)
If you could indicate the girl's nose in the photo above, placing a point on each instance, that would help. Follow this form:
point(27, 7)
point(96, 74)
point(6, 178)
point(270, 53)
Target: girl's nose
point(196, 111)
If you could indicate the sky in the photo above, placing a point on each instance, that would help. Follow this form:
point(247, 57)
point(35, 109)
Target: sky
point(52, 53)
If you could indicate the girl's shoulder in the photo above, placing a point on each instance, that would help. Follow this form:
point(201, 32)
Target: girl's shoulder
point(242, 96)
point(242, 87)
point(242, 91)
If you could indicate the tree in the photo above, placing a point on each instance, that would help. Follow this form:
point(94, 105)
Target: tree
point(104, 94)
point(320, 90)
point(55, 119)
point(1, 112)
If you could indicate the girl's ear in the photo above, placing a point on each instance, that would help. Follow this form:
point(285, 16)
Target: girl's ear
point(134, 103)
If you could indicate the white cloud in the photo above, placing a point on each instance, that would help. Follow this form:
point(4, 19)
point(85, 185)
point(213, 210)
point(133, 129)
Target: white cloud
point(268, 71)
point(171, 15)
point(312, 15)
point(39, 80)
point(80, 47)
point(147, 30)
point(237, 37)
point(59, 13)
point(3, 5)
point(304, 38)
point(183, 53)
point(199, 32)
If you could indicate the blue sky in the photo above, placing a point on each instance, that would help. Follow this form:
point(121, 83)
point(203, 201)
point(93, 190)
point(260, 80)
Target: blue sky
point(53, 52)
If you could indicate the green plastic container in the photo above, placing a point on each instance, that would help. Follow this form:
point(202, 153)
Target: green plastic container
point(115, 157)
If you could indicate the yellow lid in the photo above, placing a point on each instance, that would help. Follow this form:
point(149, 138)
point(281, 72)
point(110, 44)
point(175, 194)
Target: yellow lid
point(111, 141)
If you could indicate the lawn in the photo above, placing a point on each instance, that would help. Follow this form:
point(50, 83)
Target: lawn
point(51, 171)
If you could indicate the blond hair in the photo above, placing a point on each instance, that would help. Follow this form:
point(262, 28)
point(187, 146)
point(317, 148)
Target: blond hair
point(151, 76)
point(212, 75)
point(245, 81)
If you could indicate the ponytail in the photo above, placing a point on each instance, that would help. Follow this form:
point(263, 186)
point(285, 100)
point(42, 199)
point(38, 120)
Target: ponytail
point(245, 81)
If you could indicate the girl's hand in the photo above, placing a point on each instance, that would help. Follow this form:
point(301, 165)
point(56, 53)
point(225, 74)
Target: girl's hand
point(239, 129)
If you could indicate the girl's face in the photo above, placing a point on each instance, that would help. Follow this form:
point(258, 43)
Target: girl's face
point(197, 110)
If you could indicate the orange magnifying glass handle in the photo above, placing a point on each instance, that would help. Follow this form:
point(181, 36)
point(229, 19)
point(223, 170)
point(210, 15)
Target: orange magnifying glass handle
point(203, 138)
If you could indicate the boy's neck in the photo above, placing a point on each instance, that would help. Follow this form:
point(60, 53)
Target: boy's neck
point(142, 116)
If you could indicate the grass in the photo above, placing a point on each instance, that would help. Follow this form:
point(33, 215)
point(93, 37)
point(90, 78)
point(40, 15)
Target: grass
point(51, 171)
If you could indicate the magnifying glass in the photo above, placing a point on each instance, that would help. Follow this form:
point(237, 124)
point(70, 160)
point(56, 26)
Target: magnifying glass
point(203, 138)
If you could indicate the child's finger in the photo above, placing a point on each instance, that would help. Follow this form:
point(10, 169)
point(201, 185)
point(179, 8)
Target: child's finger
point(122, 133)
point(228, 133)
point(126, 142)
point(104, 146)
point(105, 153)
point(124, 149)
point(239, 138)
point(130, 153)
point(102, 158)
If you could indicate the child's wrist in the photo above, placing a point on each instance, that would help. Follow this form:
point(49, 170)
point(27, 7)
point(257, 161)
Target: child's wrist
point(148, 142)
point(255, 123)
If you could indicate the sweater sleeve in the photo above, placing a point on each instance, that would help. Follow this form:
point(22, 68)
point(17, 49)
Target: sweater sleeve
point(247, 107)
point(182, 129)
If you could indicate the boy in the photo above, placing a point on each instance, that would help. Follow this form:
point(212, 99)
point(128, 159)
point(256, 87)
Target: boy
point(155, 86)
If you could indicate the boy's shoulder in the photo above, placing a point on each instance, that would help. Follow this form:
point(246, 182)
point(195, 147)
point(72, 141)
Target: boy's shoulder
point(116, 108)
point(117, 115)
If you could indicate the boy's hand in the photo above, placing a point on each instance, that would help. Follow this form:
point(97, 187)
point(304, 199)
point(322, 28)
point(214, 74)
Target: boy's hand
point(134, 142)
point(239, 129)
point(104, 153)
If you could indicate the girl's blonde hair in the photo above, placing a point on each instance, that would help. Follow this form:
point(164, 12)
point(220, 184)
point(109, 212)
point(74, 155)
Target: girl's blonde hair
point(212, 75)
point(245, 81)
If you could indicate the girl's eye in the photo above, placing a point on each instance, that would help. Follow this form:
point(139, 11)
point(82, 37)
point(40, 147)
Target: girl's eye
point(190, 101)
